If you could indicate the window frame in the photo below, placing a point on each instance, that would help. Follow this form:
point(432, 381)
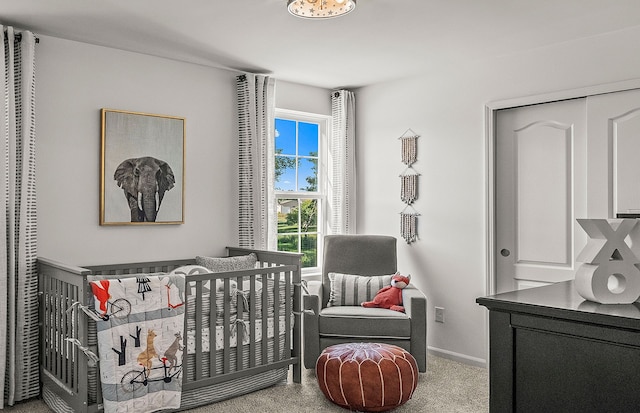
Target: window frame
point(324, 131)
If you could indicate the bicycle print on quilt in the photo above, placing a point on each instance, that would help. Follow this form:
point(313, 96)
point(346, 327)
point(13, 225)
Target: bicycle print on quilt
point(140, 322)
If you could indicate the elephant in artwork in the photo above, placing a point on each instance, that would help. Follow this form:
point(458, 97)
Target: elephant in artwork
point(144, 181)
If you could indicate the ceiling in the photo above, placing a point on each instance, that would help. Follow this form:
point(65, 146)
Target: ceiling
point(380, 40)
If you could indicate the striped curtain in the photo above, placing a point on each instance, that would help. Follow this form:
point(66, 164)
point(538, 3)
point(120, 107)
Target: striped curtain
point(256, 210)
point(18, 278)
point(342, 164)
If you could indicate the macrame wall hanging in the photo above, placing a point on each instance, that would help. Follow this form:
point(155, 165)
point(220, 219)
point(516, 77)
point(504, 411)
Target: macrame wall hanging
point(409, 148)
point(409, 186)
point(409, 226)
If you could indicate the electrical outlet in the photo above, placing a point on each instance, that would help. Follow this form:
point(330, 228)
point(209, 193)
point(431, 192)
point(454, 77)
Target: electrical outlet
point(439, 315)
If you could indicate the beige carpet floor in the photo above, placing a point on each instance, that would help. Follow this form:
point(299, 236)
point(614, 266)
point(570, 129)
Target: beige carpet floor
point(446, 387)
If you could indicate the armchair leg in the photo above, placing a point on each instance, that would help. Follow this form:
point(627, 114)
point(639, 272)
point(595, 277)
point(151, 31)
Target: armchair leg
point(421, 359)
point(419, 332)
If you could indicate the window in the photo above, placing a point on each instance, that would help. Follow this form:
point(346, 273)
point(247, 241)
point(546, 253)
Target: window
point(299, 183)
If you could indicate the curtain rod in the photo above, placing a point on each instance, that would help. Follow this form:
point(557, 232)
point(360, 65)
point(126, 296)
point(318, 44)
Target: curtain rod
point(19, 37)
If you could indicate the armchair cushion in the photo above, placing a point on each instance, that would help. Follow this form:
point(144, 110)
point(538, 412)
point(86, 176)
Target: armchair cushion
point(363, 323)
point(349, 289)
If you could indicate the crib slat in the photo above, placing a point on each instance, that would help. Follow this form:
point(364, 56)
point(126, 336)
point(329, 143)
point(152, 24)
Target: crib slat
point(66, 332)
point(287, 310)
point(212, 329)
point(297, 329)
point(198, 332)
point(239, 325)
point(49, 310)
point(265, 316)
point(252, 321)
point(60, 337)
point(226, 327)
point(46, 325)
point(72, 322)
point(276, 318)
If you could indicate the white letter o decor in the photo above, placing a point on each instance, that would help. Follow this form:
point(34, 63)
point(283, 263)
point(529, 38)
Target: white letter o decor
point(610, 274)
point(592, 282)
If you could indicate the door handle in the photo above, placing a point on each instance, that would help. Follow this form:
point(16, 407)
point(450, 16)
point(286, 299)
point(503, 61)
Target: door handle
point(505, 252)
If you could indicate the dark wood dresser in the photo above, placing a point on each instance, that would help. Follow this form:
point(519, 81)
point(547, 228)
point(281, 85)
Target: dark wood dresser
point(552, 351)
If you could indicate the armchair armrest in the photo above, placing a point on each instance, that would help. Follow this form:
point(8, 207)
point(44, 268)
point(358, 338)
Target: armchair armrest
point(415, 306)
point(410, 296)
point(312, 299)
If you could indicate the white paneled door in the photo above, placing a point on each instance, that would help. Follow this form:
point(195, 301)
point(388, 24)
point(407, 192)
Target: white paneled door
point(613, 124)
point(556, 162)
point(540, 191)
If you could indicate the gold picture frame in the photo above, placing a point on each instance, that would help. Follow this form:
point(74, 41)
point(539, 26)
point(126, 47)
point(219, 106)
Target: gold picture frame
point(141, 168)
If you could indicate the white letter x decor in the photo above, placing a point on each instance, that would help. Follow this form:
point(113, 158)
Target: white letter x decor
point(607, 241)
point(610, 273)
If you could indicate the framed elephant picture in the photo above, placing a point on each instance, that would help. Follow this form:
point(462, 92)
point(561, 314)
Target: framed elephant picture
point(142, 168)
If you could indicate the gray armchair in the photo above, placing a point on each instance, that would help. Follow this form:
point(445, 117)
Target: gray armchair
point(362, 255)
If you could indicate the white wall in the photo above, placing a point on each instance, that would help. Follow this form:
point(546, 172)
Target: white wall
point(303, 98)
point(74, 81)
point(446, 107)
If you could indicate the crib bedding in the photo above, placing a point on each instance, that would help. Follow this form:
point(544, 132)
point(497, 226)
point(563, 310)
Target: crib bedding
point(243, 299)
point(240, 300)
point(140, 342)
point(270, 336)
point(240, 325)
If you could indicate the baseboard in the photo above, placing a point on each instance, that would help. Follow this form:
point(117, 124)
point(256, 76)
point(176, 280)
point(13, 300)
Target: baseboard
point(461, 358)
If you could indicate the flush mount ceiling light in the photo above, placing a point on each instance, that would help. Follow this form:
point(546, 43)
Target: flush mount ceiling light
point(320, 9)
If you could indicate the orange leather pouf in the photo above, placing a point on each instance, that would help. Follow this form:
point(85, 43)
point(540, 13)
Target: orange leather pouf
point(368, 377)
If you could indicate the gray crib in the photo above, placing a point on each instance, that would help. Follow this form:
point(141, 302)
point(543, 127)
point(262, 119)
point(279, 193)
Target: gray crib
point(71, 381)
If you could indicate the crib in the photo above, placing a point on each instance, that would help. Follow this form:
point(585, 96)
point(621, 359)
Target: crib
point(218, 363)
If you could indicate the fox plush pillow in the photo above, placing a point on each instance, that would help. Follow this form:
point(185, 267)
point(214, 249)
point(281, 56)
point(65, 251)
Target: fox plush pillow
point(390, 296)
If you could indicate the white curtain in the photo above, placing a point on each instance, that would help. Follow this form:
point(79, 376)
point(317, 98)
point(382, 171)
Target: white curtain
point(256, 209)
point(342, 164)
point(18, 278)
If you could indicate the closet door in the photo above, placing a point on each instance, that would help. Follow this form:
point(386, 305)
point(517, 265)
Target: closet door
point(540, 191)
point(613, 122)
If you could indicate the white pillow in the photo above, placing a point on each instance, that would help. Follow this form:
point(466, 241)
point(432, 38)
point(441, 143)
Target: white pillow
point(223, 264)
point(190, 270)
point(350, 289)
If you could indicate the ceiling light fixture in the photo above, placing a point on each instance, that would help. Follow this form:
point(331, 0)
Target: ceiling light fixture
point(320, 9)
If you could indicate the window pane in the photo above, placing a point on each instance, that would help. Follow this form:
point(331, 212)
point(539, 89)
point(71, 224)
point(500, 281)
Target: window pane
point(308, 175)
point(297, 163)
point(309, 215)
point(285, 173)
point(288, 243)
point(309, 247)
point(285, 136)
point(288, 216)
point(307, 139)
